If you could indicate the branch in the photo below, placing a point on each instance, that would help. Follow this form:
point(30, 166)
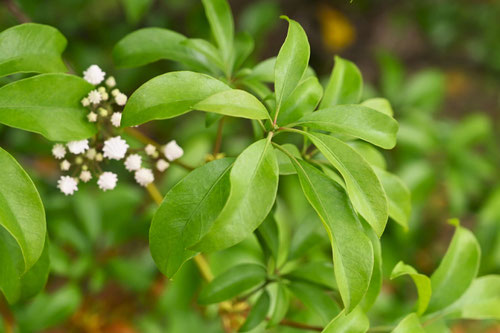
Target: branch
point(218, 139)
point(16, 11)
point(291, 323)
point(8, 317)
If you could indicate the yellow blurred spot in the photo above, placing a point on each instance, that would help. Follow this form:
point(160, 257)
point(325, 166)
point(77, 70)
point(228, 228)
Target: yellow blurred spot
point(457, 83)
point(337, 31)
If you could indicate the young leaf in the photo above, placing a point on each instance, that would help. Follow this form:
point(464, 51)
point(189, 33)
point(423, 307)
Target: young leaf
point(316, 299)
point(31, 47)
point(243, 44)
point(268, 235)
point(254, 183)
point(422, 282)
point(352, 250)
point(379, 104)
point(187, 213)
point(354, 322)
point(357, 121)
point(169, 95)
point(398, 196)
point(291, 62)
point(257, 313)
point(207, 49)
point(221, 23)
point(345, 85)
point(280, 305)
point(409, 324)
point(318, 272)
point(364, 188)
point(456, 271)
point(21, 211)
point(302, 100)
point(48, 104)
point(264, 70)
point(235, 103)
point(235, 281)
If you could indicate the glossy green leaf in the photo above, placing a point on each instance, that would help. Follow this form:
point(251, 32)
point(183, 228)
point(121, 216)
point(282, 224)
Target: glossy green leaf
point(268, 235)
point(254, 183)
point(318, 272)
point(264, 70)
point(187, 213)
point(280, 304)
point(221, 22)
point(48, 104)
point(422, 282)
point(364, 189)
point(456, 271)
point(354, 322)
point(352, 250)
point(409, 324)
point(379, 104)
point(285, 165)
point(235, 103)
point(235, 281)
point(302, 100)
point(257, 313)
point(377, 276)
point(244, 45)
point(316, 299)
point(371, 154)
point(345, 85)
point(398, 196)
point(357, 121)
point(34, 280)
point(22, 214)
point(31, 47)
point(169, 95)
point(207, 49)
point(291, 62)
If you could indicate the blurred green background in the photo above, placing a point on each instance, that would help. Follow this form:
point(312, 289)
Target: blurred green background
point(437, 61)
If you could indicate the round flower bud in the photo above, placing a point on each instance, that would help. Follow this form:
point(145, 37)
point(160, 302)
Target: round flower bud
point(121, 99)
point(115, 148)
point(110, 82)
point(91, 153)
point(58, 151)
point(85, 176)
point(116, 119)
point(133, 162)
point(150, 149)
point(92, 117)
point(144, 176)
point(172, 151)
point(94, 97)
point(98, 157)
point(94, 75)
point(65, 165)
point(78, 147)
point(78, 160)
point(107, 181)
point(85, 102)
point(103, 112)
point(115, 92)
point(162, 165)
point(67, 185)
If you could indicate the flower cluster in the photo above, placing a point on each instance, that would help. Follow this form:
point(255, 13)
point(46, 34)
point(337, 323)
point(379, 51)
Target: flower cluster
point(84, 159)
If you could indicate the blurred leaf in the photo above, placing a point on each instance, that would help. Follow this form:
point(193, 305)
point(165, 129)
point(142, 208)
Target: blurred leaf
point(392, 76)
point(318, 272)
point(268, 235)
point(303, 100)
point(87, 208)
point(48, 104)
point(316, 299)
point(410, 324)
point(379, 104)
point(254, 183)
point(233, 282)
point(345, 85)
point(425, 90)
point(187, 213)
point(259, 17)
point(31, 47)
point(221, 22)
point(136, 273)
point(257, 313)
point(422, 282)
point(136, 9)
point(244, 45)
point(169, 95)
point(354, 322)
point(280, 304)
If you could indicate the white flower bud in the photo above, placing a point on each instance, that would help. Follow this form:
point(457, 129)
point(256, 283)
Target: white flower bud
point(116, 119)
point(94, 75)
point(172, 151)
point(104, 96)
point(103, 112)
point(115, 148)
point(107, 181)
point(144, 176)
point(94, 97)
point(98, 157)
point(101, 89)
point(162, 165)
point(150, 150)
point(115, 92)
point(133, 162)
point(78, 147)
point(121, 99)
point(91, 153)
point(85, 176)
point(110, 82)
point(92, 117)
point(67, 185)
point(85, 102)
point(78, 160)
point(58, 151)
point(65, 165)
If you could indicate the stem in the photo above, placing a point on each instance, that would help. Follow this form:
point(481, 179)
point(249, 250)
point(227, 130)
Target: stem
point(291, 323)
point(141, 137)
point(154, 193)
point(203, 266)
point(218, 139)
point(17, 12)
point(182, 164)
point(8, 317)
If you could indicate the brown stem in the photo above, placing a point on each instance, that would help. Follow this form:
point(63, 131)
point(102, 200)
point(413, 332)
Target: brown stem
point(8, 317)
point(291, 323)
point(218, 139)
point(16, 11)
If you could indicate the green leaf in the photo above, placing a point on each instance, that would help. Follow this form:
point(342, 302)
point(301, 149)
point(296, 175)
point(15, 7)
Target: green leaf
point(377, 275)
point(136, 9)
point(221, 22)
point(409, 324)
point(481, 301)
point(398, 196)
point(268, 235)
point(318, 272)
point(48, 104)
point(169, 95)
point(285, 165)
point(357, 121)
point(422, 282)
point(291, 62)
point(345, 85)
point(264, 70)
point(280, 304)
point(456, 271)
point(31, 47)
point(257, 313)
point(254, 183)
point(207, 49)
point(148, 45)
point(244, 45)
point(233, 282)
point(235, 103)
point(302, 100)
point(364, 189)
point(352, 250)
point(316, 299)
point(354, 322)
point(34, 280)
point(187, 213)
point(425, 90)
point(379, 104)
point(21, 211)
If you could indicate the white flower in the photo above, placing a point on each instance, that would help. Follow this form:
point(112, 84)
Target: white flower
point(65, 165)
point(85, 101)
point(92, 117)
point(107, 181)
point(94, 97)
point(150, 150)
point(162, 165)
point(133, 162)
point(94, 75)
point(111, 82)
point(121, 99)
point(172, 151)
point(116, 119)
point(58, 151)
point(67, 185)
point(115, 148)
point(115, 92)
point(144, 176)
point(85, 176)
point(91, 153)
point(78, 147)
